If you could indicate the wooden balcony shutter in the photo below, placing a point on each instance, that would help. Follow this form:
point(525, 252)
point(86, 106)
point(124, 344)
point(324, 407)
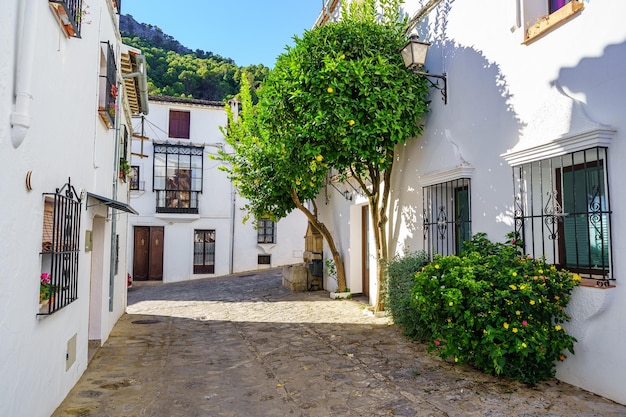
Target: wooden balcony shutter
point(179, 124)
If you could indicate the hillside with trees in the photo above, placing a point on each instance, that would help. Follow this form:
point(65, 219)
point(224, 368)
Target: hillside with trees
point(177, 71)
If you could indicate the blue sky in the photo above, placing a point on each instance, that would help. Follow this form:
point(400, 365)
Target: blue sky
point(248, 31)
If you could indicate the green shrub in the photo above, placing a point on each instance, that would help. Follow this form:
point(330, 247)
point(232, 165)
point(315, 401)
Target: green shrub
point(401, 272)
point(496, 309)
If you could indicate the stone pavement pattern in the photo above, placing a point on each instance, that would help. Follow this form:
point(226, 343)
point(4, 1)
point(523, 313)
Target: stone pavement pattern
point(245, 346)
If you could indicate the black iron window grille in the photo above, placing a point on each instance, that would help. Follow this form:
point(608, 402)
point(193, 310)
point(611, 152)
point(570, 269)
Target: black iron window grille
point(108, 87)
point(177, 178)
point(266, 231)
point(134, 179)
point(562, 212)
point(264, 259)
point(204, 252)
point(447, 216)
point(70, 14)
point(60, 249)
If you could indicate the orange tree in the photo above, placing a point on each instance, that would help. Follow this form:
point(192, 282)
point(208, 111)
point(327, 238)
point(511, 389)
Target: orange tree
point(341, 98)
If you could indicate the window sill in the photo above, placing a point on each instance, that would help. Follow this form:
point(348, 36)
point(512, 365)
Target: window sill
point(178, 218)
point(106, 118)
point(593, 283)
point(549, 23)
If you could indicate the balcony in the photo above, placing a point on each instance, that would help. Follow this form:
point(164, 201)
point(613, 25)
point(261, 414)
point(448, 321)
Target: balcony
point(68, 13)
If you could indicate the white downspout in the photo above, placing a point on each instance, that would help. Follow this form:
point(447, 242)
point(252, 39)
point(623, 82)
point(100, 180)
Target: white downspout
point(20, 117)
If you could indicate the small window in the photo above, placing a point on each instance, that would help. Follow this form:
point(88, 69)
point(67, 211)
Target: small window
point(134, 178)
point(265, 259)
point(204, 252)
point(543, 16)
point(447, 217)
point(266, 231)
point(179, 124)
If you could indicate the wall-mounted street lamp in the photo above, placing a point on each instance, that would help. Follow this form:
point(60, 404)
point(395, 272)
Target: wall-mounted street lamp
point(414, 55)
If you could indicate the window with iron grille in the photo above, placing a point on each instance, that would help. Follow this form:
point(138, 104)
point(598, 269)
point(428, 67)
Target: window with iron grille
point(177, 178)
point(60, 249)
point(204, 252)
point(179, 124)
point(264, 260)
point(447, 216)
point(562, 212)
point(70, 14)
point(107, 106)
point(266, 231)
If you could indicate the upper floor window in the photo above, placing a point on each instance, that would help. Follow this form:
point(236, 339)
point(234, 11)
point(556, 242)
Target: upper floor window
point(179, 124)
point(562, 212)
point(177, 178)
point(69, 14)
point(134, 179)
point(107, 106)
point(543, 16)
point(266, 231)
point(447, 217)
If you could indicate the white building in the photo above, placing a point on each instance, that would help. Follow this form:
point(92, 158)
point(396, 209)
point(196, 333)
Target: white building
point(190, 222)
point(532, 140)
point(68, 89)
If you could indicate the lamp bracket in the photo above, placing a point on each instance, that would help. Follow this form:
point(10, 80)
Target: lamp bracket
point(444, 89)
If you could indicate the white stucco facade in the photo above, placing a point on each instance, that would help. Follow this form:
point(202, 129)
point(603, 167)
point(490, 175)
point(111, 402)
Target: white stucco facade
point(218, 210)
point(51, 87)
point(512, 102)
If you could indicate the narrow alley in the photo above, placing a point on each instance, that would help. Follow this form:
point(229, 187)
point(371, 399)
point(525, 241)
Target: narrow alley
point(245, 346)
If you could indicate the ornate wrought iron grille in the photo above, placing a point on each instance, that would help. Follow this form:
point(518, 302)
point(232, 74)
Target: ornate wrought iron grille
point(177, 178)
point(204, 252)
point(562, 212)
point(266, 231)
point(447, 216)
point(63, 248)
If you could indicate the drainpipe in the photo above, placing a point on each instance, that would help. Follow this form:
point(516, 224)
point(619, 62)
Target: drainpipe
point(25, 49)
point(116, 168)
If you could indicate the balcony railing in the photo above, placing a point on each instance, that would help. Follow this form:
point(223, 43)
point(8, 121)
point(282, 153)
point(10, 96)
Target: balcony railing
point(177, 201)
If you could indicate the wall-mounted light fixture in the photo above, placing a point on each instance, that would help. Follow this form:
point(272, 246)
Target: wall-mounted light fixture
point(414, 55)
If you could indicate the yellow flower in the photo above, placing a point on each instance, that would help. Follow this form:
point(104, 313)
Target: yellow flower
point(514, 330)
point(506, 325)
point(522, 287)
point(540, 271)
point(351, 122)
point(342, 56)
point(576, 277)
point(557, 328)
point(449, 320)
point(329, 89)
point(518, 312)
point(556, 297)
point(523, 345)
point(532, 302)
point(319, 158)
point(514, 274)
point(450, 303)
point(513, 287)
point(436, 266)
point(456, 359)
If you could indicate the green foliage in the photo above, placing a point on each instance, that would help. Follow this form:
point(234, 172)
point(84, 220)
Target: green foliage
point(200, 75)
point(496, 309)
point(401, 272)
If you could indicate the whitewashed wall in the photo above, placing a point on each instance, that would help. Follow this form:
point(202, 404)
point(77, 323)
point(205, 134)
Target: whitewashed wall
point(219, 207)
point(66, 139)
point(504, 95)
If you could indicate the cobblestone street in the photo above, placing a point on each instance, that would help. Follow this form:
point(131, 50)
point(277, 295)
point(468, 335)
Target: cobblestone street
point(245, 346)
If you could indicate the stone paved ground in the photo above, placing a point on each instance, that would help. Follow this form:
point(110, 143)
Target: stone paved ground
point(245, 346)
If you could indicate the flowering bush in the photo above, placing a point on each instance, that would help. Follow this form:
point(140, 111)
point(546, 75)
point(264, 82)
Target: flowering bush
point(496, 309)
point(46, 289)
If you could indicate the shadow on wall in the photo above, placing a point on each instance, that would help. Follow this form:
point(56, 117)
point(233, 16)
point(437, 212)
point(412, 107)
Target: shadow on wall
point(479, 116)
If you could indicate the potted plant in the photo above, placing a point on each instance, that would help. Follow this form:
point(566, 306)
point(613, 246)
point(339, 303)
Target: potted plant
point(124, 168)
point(46, 290)
point(331, 271)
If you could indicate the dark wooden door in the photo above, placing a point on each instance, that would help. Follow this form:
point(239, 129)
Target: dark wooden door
point(148, 253)
point(156, 253)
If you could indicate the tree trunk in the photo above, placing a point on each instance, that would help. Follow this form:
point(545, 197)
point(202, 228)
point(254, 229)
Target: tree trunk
point(321, 227)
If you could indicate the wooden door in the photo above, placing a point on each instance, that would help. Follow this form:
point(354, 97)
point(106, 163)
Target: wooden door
point(156, 253)
point(148, 253)
point(365, 253)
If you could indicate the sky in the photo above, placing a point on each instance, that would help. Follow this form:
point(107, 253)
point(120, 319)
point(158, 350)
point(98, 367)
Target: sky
point(247, 31)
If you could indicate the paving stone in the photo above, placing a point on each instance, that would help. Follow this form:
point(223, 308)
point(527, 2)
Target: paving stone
point(246, 346)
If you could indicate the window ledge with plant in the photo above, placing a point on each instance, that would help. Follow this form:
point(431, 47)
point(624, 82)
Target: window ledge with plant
point(550, 22)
